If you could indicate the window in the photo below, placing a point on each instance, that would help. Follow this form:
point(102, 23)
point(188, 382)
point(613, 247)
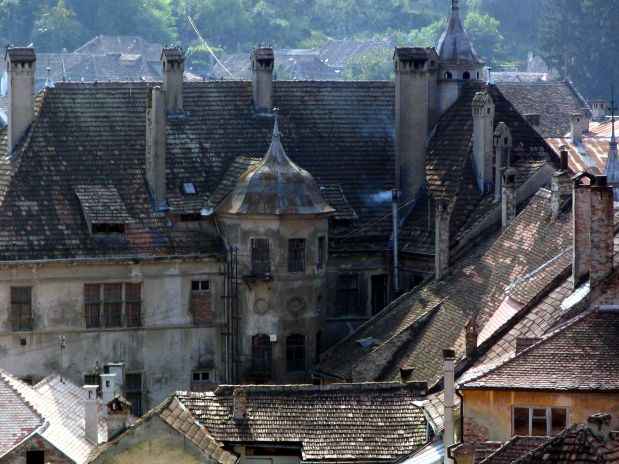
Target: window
point(133, 392)
point(347, 297)
point(104, 305)
point(260, 256)
point(466, 76)
point(200, 376)
point(296, 255)
point(200, 285)
point(108, 229)
point(539, 422)
point(201, 380)
point(200, 303)
point(261, 354)
point(21, 308)
point(448, 75)
point(295, 353)
point(35, 457)
point(322, 252)
point(379, 293)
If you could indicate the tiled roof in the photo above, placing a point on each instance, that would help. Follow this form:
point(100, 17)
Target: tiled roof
point(514, 449)
point(94, 134)
point(582, 355)
point(519, 76)
point(485, 449)
point(102, 204)
point(334, 195)
point(177, 416)
point(128, 44)
point(553, 101)
point(18, 419)
point(580, 443)
point(60, 405)
point(338, 422)
point(414, 330)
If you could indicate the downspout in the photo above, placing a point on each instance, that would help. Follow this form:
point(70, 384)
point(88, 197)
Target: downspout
point(395, 197)
point(461, 440)
point(449, 357)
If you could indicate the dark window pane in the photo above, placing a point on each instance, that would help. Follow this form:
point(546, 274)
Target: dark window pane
point(112, 304)
point(133, 304)
point(92, 305)
point(538, 423)
point(295, 353)
point(196, 377)
point(21, 308)
point(558, 420)
point(133, 391)
point(296, 255)
point(260, 256)
point(521, 421)
point(195, 285)
point(261, 354)
point(322, 252)
point(347, 298)
point(35, 457)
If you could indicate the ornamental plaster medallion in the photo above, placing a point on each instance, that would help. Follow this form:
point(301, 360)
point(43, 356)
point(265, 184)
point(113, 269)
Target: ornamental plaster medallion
point(295, 306)
point(261, 306)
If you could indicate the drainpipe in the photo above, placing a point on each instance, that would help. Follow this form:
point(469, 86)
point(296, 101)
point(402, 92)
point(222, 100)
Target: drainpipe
point(395, 197)
point(448, 409)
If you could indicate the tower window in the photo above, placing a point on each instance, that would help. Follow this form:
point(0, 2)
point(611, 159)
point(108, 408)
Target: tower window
point(296, 255)
point(260, 256)
point(21, 308)
point(261, 354)
point(448, 75)
point(295, 353)
point(466, 76)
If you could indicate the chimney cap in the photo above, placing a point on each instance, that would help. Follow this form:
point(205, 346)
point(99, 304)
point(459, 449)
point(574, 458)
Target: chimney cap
point(20, 54)
point(263, 53)
point(601, 181)
point(449, 355)
point(174, 53)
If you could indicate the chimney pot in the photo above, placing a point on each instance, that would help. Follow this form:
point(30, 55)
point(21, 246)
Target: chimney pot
point(262, 65)
point(581, 228)
point(20, 66)
point(108, 387)
point(406, 373)
point(471, 336)
point(441, 239)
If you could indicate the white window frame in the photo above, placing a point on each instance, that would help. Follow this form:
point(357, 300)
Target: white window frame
point(548, 410)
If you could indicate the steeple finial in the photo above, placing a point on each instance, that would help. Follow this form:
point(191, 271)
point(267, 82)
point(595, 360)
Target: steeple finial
point(276, 133)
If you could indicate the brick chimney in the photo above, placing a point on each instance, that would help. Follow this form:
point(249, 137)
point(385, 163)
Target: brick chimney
point(91, 414)
point(560, 186)
point(508, 197)
point(483, 132)
point(602, 230)
point(581, 228)
point(173, 63)
point(20, 67)
point(156, 146)
point(415, 100)
point(449, 357)
point(117, 417)
point(442, 221)
point(262, 65)
point(471, 336)
point(502, 156)
point(239, 404)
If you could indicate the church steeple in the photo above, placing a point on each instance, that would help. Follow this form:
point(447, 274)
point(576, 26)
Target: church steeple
point(612, 164)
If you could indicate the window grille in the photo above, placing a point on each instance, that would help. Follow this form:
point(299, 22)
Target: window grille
point(21, 308)
point(296, 255)
point(260, 256)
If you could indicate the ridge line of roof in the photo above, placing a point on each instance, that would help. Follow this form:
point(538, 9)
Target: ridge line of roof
point(509, 443)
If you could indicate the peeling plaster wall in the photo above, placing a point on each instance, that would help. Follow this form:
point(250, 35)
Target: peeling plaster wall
point(165, 349)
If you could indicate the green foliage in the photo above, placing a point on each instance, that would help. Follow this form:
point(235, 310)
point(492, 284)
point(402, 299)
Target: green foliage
point(485, 35)
point(57, 29)
point(376, 64)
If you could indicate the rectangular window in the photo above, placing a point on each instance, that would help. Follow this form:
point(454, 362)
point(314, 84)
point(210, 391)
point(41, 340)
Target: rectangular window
point(296, 255)
point(200, 303)
point(35, 457)
point(201, 380)
point(200, 286)
point(21, 308)
point(113, 304)
point(260, 256)
point(92, 303)
point(322, 252)
point(379, 293)
point(539, 422)
point(347, 298)
point(133, 392)
point(133, 304)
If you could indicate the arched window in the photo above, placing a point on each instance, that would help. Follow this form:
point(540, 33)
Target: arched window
point(477, 75)
point(261, 354)
point(448, 75)
point(466, 76)
point(295, 353)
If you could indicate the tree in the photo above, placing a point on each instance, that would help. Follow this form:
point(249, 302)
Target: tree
point(484, 33)
point(57, 29)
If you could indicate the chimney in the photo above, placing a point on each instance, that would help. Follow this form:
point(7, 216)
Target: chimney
point(108, 388)
point(173, 63)
point(406, 373)
point(156, 146)
point(602, 230)
point(20, 67)
point(117, 418)
point(239, 404)
point(599, 110)
point(415, 95)
point(577, 127)
point(503, 153)
point(471, 335)
point(91, 414)
point(581, 220)
point(262, 64)
point(119, 370)
point(560, 185)
point(599, 424)
point(441, 239)
point(508, 197)
point(483, 131)
point(449, 357)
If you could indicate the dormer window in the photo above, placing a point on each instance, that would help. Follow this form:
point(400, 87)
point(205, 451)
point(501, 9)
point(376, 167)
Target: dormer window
point(108, 229)
point(189, 188)
point(103, 209)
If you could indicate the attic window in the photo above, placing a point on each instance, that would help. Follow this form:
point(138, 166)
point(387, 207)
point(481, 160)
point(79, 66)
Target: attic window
point(189, 188)
point(190, 217)
point(108, 229)
point(466, 76)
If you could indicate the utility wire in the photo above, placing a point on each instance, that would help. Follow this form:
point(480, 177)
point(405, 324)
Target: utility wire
point(210, 50)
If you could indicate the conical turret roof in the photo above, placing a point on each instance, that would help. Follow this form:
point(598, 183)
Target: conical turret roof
point(276, 186)
point(455, 45)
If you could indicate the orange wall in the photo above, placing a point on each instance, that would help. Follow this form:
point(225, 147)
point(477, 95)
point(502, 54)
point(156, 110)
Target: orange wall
point(488, 413)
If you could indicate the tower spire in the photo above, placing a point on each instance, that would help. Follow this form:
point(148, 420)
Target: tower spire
point(612, 163)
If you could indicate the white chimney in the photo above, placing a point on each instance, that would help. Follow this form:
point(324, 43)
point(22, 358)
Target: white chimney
point(262, 64)
point(119, 370)
point(91, 414)
point(108, 388)
point(173, 63)
point(156, 146)
point(20, 66)
point(449, 402)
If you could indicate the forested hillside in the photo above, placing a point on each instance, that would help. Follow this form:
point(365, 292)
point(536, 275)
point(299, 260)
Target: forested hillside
point(574, 36)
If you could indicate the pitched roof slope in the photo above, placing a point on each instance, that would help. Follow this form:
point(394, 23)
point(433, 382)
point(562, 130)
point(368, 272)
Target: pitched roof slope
point(331, 422)
point(554, 101)
point(94, 134)
point(514, 449)
point(580, 356)
point(415, 329)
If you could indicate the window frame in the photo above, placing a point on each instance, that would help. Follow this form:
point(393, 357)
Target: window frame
point(136, 410)
point(100, 306)
point(321, 258)
point(548, 417)
point(339, 312)
point(294, 362)
point(262, 266)
point(297, 255)
point(21, 322)
point(258, 365)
